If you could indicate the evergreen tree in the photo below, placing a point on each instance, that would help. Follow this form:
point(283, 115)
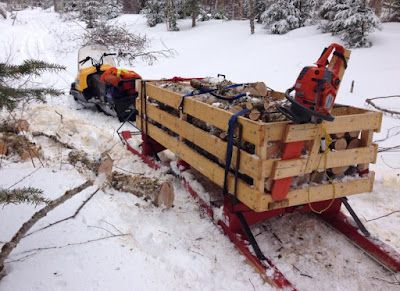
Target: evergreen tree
point(351, 20)
point(10, 74)
point(395, 11)
point(282, 16)
point(155, 12)
point(259, 9)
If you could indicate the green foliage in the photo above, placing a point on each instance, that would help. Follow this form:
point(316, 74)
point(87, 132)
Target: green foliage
point(24, 195)
point(10, 95)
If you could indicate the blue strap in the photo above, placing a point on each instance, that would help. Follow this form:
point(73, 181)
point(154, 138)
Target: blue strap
point(200, 92)
point(231, 131)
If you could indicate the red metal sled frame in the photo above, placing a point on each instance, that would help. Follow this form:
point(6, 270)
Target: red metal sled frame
point(376, 249)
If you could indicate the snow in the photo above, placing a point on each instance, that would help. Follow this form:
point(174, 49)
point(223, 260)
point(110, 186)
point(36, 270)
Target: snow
point(181, 248)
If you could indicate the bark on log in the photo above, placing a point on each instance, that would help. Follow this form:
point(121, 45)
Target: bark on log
point(160, 193)
point(274, 150)
point(352, 134)
point(235, 109)
point(338, 135)
point(8, 247)
point(317, 177)
point(201, 85)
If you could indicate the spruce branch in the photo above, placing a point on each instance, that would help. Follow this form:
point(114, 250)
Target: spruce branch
point(22, 195)
point(28, 67)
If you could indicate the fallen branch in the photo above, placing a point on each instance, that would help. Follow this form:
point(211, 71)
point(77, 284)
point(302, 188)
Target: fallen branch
point(369, 101)
point(53, 138)
point(394, 168)
point(386, 215)
point(64, 219)
point(11, 245)
point(72, 244)
point(385, 281)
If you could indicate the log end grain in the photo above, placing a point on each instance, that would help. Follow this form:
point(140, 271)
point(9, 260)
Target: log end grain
point(166, 195)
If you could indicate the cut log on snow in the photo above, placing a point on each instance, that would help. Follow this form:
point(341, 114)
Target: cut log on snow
point(16, 126)
point(106, 165)
point(102, 165)
point(160, 193)
point(9, 247)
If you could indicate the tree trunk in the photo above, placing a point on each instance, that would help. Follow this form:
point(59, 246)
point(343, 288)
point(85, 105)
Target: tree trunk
point(194, 12)
point(11, 245)
point(240, 10)
point(58, 6)
point(251, 13)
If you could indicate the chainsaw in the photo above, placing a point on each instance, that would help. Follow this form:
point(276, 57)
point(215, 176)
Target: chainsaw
point(315, 89)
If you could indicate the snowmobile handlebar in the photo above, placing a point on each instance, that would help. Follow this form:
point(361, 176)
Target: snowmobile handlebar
point(96, 63)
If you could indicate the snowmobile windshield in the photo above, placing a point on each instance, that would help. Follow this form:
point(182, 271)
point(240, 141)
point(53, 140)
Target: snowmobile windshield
point(95, 52)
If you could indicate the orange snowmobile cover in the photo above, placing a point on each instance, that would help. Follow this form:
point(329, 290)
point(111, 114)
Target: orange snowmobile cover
point(113, 76)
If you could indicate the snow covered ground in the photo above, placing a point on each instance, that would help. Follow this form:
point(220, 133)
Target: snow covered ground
point(180, 248)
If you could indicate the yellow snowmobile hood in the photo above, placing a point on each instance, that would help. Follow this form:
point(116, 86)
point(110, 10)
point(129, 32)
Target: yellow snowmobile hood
point(81, 79)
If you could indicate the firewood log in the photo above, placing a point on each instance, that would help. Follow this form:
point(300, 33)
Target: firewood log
point(354, 143)
point(352, 134)
point(235, 109)
point(317, 177)
point(160, 193)
point(254, 114)
point(268, 184)
point(339, 144)
point(201, 85)
point(274, 150)
point(338, 135)
point(258, 89)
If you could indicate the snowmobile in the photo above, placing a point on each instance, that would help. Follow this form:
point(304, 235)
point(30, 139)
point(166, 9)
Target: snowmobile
point(99, 82)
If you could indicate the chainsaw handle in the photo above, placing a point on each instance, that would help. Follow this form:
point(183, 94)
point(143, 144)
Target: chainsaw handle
point(327, 117)
point(322, 61)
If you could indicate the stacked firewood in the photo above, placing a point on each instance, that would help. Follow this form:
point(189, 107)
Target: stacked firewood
point(262, 108)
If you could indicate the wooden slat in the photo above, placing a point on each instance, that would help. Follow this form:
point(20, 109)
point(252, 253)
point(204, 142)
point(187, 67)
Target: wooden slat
point(289, 168)
point(354, 122)
point(246, 193)
point(249, 164)
point(253, 131)
point(299, 132)
point(325, 192)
